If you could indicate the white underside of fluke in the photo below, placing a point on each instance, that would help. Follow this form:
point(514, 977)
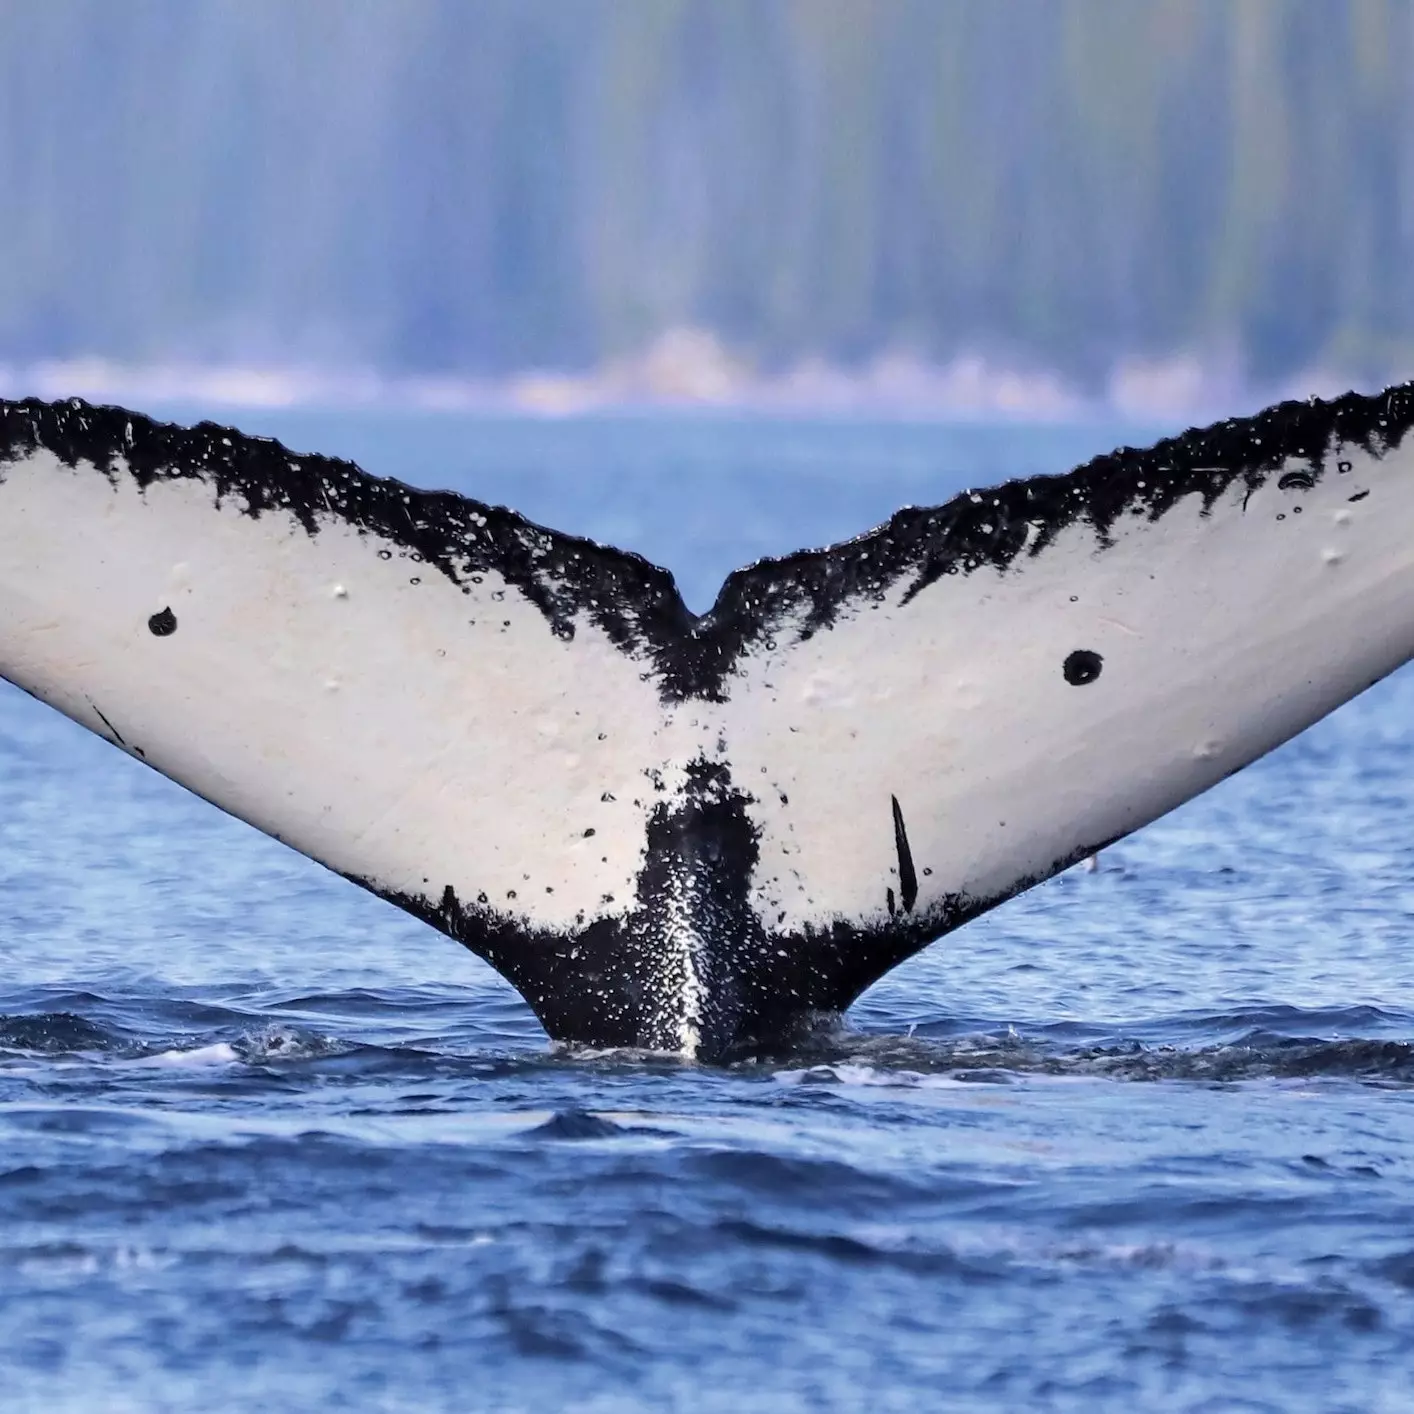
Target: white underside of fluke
point(334, 693)
point(1221, 634)
point(420, 731)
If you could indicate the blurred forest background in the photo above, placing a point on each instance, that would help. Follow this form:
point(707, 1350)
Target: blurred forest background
point(478, 188)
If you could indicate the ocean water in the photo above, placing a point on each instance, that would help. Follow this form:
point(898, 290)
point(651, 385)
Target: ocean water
point(1142, 1139)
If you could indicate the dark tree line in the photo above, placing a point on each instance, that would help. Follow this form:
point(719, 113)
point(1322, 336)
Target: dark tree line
point(487, 185)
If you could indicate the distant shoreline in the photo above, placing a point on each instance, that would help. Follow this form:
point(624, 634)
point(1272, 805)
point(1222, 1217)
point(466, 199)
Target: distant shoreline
point(687, 371)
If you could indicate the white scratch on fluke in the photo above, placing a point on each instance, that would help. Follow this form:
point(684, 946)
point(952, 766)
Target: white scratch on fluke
point(700, 833)
point(683, 942)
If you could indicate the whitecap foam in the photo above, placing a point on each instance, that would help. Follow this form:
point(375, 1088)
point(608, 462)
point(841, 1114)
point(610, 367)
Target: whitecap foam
point(220, 1053)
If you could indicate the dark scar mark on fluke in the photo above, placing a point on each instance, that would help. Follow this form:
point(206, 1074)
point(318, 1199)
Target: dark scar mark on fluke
point(907, 875)
point(163, 623)
point(117, 735)
point(1358, 496)
point(1296, 480)
point(1082, 667)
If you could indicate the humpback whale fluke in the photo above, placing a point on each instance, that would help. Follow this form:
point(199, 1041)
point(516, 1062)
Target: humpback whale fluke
point(697, 833)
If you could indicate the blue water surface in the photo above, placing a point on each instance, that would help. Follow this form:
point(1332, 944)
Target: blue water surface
point(1142, 1139)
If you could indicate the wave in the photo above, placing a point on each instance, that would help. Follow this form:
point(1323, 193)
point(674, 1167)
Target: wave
point(1256, 1057)
point(56, 1033)
point(439, 1027)
point(1260, 1042)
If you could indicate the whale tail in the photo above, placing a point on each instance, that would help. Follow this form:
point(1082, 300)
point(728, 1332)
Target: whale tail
point(695, 833)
